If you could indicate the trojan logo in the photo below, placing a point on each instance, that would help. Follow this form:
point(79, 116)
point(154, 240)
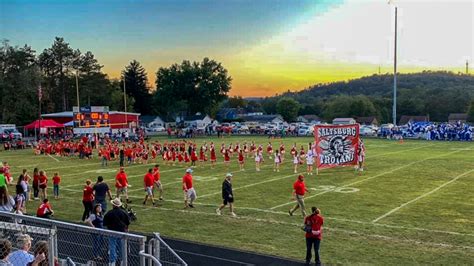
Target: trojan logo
point(336, 150)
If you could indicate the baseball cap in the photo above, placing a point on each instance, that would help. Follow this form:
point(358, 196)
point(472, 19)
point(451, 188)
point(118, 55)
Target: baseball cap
point(228, 175)
point(189, 170)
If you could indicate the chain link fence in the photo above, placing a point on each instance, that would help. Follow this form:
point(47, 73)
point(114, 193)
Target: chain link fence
point(73, 244)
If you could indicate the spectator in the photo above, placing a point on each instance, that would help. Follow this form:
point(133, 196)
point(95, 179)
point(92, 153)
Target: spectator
point(7, 203)
point(227, 195)
point(148, 183)
point(45, 210)
point(189, 192)
point(35, 183)
point(116, 220)
point(157, 182)
point(56, 181)
point(20, 200)
point(314, 231)
point(87, 199)
point(41, 255)
point(21, 257)
point(27, 179)
point(3, 179)
point(5, 249)
point(43, 184)
point(96, 220)
point(101, 189)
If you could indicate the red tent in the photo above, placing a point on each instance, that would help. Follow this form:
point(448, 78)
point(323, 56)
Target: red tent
point(47, 123)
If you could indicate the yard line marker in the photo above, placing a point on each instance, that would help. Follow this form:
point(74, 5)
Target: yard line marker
point(422, 196)
point(366, 179)
point(49, 155)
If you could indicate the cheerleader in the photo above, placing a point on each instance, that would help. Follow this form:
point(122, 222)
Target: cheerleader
point(361, 157)
point(310, 161)
point(302, 154)
point(282, 151)
point(241, 160)
point(213, 156)
point(145, 156)
point(202, 155)
point(258, 160)
point(226, 158)
point(252, 149)
point(296, 161)
point(194, 157)
point(269, 150)
point(277, 160)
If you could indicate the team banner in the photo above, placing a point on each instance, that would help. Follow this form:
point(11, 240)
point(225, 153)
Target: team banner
point(336, 145)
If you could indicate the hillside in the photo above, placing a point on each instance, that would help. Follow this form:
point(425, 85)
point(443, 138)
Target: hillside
point(427, 93)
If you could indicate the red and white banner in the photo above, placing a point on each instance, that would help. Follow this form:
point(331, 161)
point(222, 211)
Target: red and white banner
point(336, 145)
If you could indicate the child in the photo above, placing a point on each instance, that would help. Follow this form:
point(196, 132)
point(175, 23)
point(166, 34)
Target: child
point(258, 160)
point(56, 181)
point(296, 161)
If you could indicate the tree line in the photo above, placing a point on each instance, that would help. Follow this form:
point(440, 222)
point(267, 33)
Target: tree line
point(184, 88)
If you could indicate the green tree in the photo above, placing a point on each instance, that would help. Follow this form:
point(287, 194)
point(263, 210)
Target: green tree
point(136, 86)
point(236, 102)
point(197, 86)
point(470, 113)
point(288, 108)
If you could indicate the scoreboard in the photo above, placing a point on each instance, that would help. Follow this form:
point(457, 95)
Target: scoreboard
point(91, 119)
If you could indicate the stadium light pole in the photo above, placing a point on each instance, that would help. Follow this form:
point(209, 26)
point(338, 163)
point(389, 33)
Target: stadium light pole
point(125, 101)
point(77, 89)
point(394, 108)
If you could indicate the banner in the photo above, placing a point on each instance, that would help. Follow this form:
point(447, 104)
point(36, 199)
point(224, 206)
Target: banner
point(336, 145)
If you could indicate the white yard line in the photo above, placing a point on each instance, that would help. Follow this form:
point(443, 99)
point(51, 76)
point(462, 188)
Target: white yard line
point(422, 196)
point(366, 179)
point(49, 155)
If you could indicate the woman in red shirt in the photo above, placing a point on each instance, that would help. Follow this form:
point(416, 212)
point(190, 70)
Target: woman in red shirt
point(43, 184)
point(87, 199)
point(314, 234)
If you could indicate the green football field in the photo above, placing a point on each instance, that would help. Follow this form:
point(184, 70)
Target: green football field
point(413, 204)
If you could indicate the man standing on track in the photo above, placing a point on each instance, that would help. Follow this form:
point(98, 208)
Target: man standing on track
point(299, 189)
point(227, 195)
point(189, 192)
point(101, 190)
point(121, 183)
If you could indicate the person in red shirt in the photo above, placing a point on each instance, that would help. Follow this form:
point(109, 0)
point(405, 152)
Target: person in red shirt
point(45, 210)
point(121, 184)
point(43, 184)
point(56, 181)
point(314, 234)
point(157, 182)
point(87, 199)
point(148, 183)
point(189, 192)
point(213, 156)
point(35, 183)
point(299, 189)
point(241, 160)
point(226, 156)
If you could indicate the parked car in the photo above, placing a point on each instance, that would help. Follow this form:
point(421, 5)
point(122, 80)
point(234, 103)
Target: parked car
point(367, 131)
point(155, 129)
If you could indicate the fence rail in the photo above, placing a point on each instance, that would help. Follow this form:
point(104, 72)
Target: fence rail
point(79, 244)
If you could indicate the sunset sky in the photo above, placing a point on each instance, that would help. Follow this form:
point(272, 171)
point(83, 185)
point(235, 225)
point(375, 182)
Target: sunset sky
point(268, 46)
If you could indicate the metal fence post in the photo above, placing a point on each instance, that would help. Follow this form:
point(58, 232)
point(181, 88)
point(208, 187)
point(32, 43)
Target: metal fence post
point(125, 252)
point(157, 247)
point(142, 248)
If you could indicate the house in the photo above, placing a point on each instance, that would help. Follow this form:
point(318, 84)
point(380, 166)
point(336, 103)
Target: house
point(151, 121)
point(229, 114)
point(312, 119)
point(367, 120)
point(455, 117)
point(405, 119)
point(198, 120)
point(264, 119)
point(343, 121)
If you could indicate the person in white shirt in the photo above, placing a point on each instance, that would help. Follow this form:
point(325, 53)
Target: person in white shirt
point(310, 161)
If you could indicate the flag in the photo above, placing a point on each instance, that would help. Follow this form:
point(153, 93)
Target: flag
point(336, 145)
point(40, 93)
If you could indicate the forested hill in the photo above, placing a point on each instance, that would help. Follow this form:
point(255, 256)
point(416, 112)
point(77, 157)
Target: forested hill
point(427, 93)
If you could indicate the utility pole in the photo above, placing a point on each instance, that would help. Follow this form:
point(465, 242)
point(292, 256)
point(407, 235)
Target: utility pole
point(467, 67)
point(394, 114)
point(77, 90)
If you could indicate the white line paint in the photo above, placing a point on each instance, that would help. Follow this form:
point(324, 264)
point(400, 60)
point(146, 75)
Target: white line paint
point(422, 196)
point(369, 178)
point(212, 257)
point(49, 155)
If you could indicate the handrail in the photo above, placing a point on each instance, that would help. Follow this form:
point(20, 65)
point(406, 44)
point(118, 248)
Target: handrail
point(157, 235)
point(155, 260)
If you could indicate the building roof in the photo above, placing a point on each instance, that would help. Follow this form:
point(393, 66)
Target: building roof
point(194, 117)
point(262, 118)
point(343, 119)
point(312, 117)
point(457, 116)
point(413, 118)
point(146, 119)
point(366, 120)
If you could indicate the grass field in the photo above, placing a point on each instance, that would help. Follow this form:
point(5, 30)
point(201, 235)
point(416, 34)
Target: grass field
point(414, 203)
